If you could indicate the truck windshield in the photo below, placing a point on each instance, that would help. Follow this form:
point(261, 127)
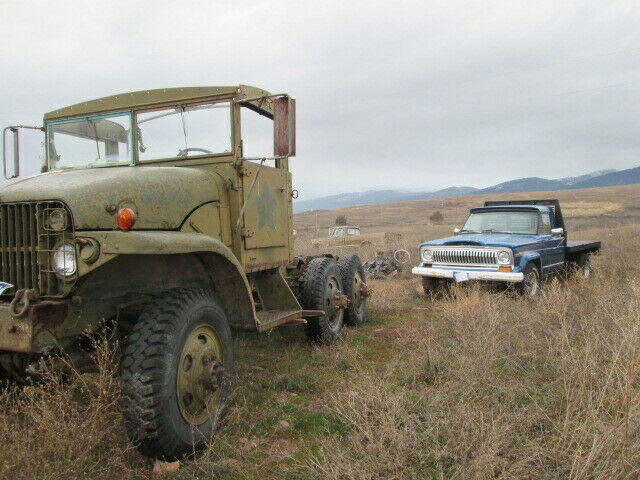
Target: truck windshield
point(94, 141)
point(502, 222)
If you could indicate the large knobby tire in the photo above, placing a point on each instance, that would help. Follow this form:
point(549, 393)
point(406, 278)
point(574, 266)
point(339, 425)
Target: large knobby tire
point(530, 285)
point(320, 283)
point(353, 283)
point(176, 374)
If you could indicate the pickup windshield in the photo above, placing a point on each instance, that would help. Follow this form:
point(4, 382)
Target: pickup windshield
point(520, 222)
point(94, 141)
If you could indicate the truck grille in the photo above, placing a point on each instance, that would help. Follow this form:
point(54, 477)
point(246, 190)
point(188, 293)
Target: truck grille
point(27, 240)
point(465, 256)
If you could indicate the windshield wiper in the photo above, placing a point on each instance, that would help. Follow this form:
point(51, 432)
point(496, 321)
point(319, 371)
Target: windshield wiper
point(92, 124)
point(464, 230)
point(491, 230)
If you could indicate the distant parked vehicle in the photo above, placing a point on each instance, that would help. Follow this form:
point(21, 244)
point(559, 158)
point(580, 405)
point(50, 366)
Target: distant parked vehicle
point(349, 235)
point(519, 242)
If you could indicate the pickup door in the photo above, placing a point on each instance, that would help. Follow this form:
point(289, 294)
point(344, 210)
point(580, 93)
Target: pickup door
point(552, 250)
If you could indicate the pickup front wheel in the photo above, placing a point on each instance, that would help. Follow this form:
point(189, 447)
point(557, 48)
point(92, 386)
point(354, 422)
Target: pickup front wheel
point(530, 286)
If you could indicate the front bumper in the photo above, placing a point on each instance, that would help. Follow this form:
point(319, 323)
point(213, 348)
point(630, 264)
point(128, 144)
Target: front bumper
point(513, 277)
point(40, 325)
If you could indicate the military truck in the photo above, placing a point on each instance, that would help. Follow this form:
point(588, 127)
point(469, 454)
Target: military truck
point(149, 221)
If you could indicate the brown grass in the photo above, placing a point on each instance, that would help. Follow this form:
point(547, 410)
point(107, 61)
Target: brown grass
point(480, 385)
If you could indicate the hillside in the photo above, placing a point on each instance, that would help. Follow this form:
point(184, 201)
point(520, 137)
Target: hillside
point(599, 178)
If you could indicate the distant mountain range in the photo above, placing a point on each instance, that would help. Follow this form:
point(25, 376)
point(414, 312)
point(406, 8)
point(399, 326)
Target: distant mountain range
point(600, 178)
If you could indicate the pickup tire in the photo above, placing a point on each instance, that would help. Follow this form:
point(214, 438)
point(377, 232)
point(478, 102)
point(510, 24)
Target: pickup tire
point(530, 285)
point(176, 373)
point(583, 265)
point(353, 279)
point(320, 283)
point(435, 288)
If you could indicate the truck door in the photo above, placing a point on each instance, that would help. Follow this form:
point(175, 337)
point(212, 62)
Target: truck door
point(552, 252)
point(266, 195)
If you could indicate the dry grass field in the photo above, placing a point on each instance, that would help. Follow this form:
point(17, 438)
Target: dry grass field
point(480, 385)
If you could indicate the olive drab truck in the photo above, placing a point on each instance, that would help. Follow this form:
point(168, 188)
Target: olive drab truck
point(151, 221)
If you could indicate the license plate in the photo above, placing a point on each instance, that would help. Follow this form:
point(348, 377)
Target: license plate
point(460, 276)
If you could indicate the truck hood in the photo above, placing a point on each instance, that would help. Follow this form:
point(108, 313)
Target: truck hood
point(162, 197)
point(487, 239)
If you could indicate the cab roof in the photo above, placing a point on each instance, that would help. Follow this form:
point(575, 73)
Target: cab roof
point(539, 208)
point(149, 98)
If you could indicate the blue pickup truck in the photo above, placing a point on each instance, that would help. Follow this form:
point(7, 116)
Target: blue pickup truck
point(519, 242)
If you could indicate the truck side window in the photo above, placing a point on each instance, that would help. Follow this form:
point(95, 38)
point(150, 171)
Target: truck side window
point(545, 225)
point(257, 136)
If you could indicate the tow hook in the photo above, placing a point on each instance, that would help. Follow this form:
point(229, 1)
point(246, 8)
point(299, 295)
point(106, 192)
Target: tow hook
point(20, 304)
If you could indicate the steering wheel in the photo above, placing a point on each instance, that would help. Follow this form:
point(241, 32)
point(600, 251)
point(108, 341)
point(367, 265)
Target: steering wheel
point(185, 151)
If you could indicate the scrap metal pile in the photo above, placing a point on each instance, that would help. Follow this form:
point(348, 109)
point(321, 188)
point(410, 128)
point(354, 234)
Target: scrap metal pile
point(387, 264)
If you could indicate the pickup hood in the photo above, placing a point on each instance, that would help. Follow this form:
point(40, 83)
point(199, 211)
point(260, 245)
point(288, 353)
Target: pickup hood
point(487, 239)
point(161, 196)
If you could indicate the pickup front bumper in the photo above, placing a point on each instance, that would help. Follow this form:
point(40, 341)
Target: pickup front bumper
point(470, 274)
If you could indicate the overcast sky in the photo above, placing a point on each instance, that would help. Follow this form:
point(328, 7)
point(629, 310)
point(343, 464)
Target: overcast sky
point(401, 95)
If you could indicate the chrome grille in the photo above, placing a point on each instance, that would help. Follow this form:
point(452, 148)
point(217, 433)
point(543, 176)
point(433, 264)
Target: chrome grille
point(26, 244)
point(465, 256)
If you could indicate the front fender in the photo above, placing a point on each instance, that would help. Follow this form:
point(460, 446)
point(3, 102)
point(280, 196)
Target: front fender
point(229, 278)
point(526, 258)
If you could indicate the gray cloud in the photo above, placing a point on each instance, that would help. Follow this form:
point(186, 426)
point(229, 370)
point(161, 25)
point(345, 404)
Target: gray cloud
point(415, 95)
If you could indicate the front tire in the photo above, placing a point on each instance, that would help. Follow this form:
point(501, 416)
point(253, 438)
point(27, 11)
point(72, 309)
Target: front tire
point(321, 284)
point(435, 288)
point(177, 371)
point(530, 285)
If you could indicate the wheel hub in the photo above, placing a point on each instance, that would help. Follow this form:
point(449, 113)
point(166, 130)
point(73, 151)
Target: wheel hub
point(200, 375)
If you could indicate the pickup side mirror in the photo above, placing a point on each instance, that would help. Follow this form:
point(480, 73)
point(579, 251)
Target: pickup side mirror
point(456, 231)
point(557, 231)
point(284, 127)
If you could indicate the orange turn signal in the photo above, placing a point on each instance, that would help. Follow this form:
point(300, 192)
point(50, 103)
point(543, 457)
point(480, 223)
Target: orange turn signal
point(125, 219)
point(504, 269)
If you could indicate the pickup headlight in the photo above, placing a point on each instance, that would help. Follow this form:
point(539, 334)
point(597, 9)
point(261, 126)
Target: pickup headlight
point(427, 255)
point(63, 260)
point(503, 257)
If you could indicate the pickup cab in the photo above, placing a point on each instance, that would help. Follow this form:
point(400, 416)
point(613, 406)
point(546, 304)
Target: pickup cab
point(518, 242)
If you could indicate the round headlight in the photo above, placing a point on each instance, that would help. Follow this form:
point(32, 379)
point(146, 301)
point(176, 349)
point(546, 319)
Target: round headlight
point(57, 220)
point(427, 255)
point(503, 257)
point(63, 260)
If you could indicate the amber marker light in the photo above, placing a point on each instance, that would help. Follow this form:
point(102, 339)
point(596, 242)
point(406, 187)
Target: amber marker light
point(125, 218)
point(504, 269)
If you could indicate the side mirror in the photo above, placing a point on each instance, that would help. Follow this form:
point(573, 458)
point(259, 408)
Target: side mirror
point(284, 127)
point(456, 231)
point(557, 231)
point(15, 150)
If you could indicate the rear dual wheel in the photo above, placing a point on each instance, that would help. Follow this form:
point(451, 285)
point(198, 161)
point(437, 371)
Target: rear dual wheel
point(337, 288)
point(321, 290)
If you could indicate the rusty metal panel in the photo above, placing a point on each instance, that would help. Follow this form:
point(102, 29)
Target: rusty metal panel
point(284, 127)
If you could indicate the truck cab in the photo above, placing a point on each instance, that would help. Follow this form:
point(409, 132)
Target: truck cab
point(518, 242)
